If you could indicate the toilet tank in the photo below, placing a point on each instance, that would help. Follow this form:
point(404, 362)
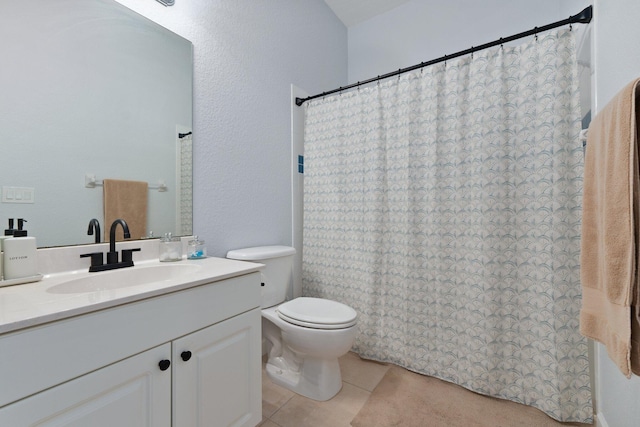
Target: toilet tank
point(277, 276)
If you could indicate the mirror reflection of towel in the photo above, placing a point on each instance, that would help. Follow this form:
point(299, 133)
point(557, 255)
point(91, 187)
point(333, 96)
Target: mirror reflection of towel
point(127, 200)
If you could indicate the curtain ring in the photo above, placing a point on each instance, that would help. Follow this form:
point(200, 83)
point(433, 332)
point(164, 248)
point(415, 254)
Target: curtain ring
point(471, 52)
point(536, 31)
point(501, 45)
point(399, 72)
point(570, 27)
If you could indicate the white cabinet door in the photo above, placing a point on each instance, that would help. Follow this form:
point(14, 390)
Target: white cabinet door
point(130, 393)
point(220, 382)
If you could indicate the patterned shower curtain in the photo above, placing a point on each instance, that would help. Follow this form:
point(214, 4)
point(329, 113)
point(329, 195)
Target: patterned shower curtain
point(444, 206)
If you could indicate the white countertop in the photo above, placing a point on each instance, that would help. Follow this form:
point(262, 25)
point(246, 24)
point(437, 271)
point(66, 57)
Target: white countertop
point(36, 303)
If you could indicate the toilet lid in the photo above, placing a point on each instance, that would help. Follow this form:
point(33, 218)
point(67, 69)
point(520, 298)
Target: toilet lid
point(317, 313)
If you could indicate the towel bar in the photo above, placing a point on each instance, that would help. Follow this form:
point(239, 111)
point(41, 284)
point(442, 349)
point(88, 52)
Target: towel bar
point(90, 181)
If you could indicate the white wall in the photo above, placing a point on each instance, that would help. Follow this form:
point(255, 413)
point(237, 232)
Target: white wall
point(421, 30)
point(247, 53)
point(616, 62)
point(297, 189)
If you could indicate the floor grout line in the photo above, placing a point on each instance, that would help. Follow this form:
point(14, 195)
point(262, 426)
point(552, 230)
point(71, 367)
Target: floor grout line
point(357, 386)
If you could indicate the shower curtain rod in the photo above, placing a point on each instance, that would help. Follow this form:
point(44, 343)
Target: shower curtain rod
point(584, 17)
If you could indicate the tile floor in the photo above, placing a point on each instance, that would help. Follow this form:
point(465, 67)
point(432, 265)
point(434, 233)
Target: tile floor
point(283, 408)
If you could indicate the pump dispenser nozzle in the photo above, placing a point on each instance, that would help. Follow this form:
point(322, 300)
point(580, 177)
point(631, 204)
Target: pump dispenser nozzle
point(20, 232)
point(10, 231)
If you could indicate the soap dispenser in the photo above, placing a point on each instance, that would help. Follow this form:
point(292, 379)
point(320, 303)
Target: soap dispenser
point(20, 254)
point(8, 233)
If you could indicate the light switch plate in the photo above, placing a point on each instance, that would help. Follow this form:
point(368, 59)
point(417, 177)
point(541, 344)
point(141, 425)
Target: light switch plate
point(18, 194)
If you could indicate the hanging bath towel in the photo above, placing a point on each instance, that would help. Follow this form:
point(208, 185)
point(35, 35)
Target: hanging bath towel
point(609, 267)
point(126, 200)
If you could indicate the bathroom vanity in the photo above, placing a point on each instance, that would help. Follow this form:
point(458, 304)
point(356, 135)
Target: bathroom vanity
point(157, 344)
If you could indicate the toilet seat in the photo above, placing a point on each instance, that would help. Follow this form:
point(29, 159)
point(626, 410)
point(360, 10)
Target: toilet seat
point(317, 313)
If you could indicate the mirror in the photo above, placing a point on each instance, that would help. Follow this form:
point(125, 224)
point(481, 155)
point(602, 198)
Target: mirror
point(91, 88)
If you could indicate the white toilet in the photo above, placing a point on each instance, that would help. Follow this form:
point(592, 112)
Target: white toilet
point(304, 336)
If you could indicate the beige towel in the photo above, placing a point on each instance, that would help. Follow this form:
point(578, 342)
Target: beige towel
point(126, 200)
point(609, 268)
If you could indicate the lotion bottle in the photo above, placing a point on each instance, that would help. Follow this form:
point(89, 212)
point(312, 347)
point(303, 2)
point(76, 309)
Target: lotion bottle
point(20, 254)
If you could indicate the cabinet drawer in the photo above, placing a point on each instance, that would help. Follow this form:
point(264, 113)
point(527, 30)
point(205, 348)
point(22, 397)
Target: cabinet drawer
point(41, 357)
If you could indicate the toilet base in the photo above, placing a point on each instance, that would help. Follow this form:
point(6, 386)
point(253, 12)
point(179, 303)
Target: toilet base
point(317, 379)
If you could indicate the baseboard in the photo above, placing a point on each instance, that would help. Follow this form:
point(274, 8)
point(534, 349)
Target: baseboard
point(600, 421)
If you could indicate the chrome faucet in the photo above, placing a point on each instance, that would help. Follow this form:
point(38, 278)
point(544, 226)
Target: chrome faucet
point(94, 227)
point(112, 256)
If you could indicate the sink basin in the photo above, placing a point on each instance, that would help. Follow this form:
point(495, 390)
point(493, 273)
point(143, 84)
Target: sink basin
point(124, 278)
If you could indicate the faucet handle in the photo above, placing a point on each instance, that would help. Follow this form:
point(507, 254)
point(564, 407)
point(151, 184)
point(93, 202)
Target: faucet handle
point(112, 257)
point(127, 254)
point(96, 259)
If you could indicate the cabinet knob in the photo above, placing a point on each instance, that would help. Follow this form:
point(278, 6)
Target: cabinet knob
point(186, 355)
point(164, 364)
